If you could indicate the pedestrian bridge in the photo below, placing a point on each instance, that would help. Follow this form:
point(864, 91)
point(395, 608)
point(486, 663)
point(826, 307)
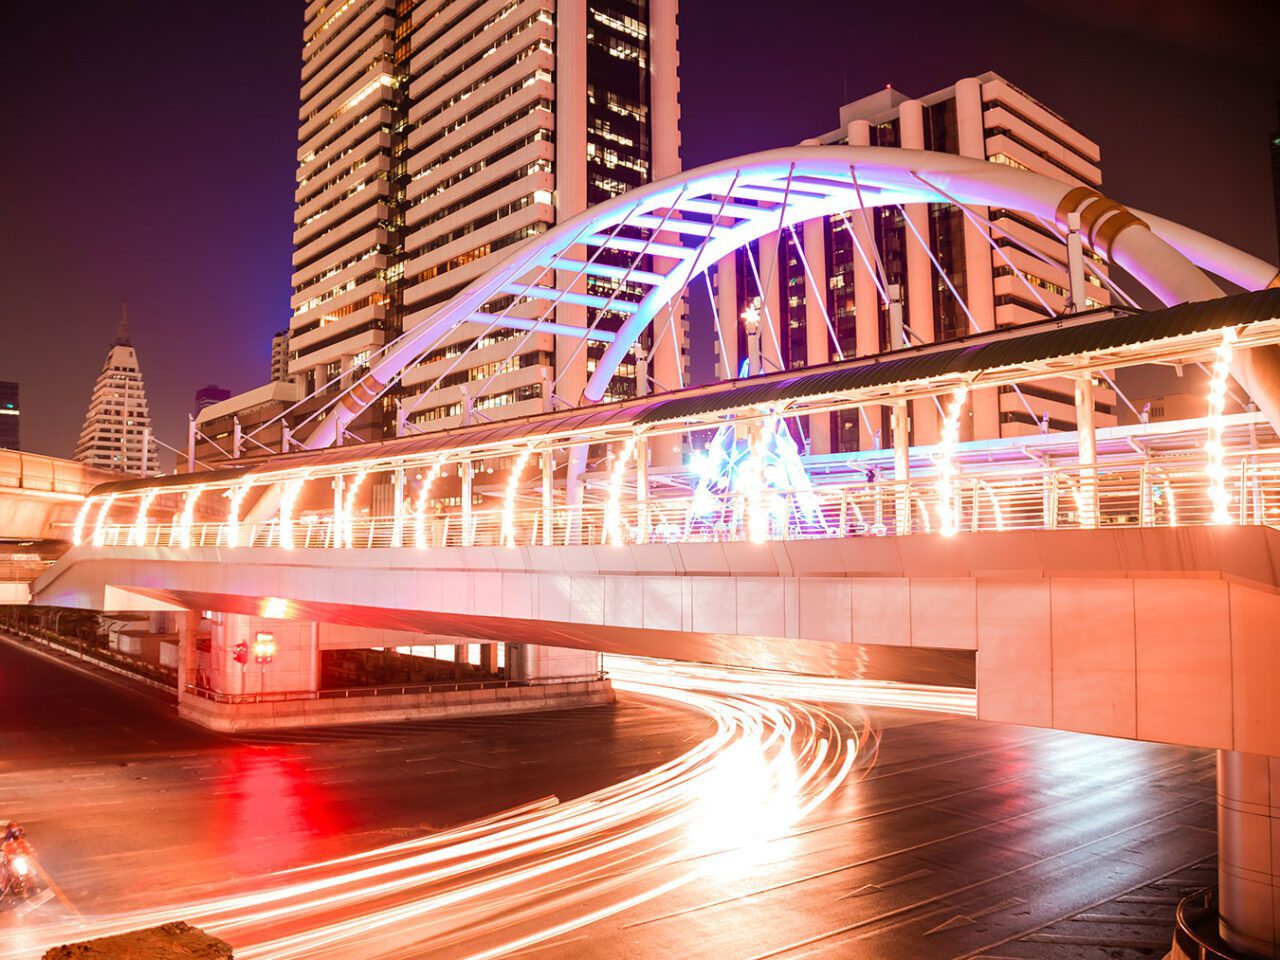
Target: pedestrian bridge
point(1121, 581)
point(1099, 598)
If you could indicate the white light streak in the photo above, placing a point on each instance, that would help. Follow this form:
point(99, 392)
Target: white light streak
point(344, 525)
point(948, 515)
point(1216, 468)
point(138, 535)
point(776, 752)
point(288, 499)
point(235, 497)
point(188, 515)
point(420, 511)
point(508, 535)
point(77, 530)
point(753, 485)
point(613, 532)
point(100, 527)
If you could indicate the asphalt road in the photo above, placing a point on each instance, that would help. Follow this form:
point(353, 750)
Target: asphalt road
point(953, 839)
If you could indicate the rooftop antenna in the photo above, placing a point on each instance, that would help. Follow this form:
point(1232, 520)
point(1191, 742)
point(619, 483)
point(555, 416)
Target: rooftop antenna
point(122, 332)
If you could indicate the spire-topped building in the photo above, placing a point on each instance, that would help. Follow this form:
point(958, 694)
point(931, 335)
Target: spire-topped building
point(117, 427)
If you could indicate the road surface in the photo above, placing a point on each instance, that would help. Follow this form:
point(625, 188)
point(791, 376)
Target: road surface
point(941, 836)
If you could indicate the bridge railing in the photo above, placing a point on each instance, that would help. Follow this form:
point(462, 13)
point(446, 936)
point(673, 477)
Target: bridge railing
point(1139, 491)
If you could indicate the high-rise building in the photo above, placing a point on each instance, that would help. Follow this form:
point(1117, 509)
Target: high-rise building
point(985, 117)
point(279, 356)
point(1275, 169)
point(117, 427)
point(10, 416)
point(435, 135)
point(208, 395)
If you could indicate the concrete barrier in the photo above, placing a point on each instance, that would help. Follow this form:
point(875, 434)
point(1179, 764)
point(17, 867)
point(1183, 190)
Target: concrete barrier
point(426, 705)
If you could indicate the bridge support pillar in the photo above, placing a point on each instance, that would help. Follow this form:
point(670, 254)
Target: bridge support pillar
point(1249, 852)
point(188, 623)
point(642, 490)
point(901, 467)
point(530, 661)
point(466, 471)
point(1088, 441)
point(548, 503)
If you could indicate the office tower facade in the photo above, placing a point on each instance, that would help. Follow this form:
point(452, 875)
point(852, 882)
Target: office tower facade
point(434, 137)
point(10, 416)
point(117, 426)
point(279, 357)
point(984, 117)
point(208, 395)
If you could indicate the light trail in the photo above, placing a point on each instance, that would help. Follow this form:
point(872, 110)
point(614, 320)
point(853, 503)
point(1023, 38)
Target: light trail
point(777, 751)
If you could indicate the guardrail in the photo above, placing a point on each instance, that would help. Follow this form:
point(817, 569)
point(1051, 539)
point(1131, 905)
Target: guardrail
point(444, 686)
point(1161, 491)
point(1197, 911)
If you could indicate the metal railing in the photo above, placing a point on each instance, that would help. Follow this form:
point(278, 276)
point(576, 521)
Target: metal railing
point(443, 686)
point(1160, 491)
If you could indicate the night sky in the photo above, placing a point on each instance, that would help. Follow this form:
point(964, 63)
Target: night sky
point(148, 147)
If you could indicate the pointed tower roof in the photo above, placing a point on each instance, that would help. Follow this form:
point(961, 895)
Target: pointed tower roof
point(122, 332)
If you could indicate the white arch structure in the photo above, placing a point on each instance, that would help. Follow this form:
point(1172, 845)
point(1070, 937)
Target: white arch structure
point(726, 205)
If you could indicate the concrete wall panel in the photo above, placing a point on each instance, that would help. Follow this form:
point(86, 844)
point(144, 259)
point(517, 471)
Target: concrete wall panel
point(760, 607)
point(586, 594)
point(624, 601)
point(944, 613)
point(664, 603)
point(881, 611)
point(1094, 660)
point(1255, 669)
point(1183, 644)
point(517, 595)
point(553, 597)
point(1015, 657)
point(714, 604)
point(825, 609)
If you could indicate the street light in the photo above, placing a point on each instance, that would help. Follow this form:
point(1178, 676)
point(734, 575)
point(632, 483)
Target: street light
point(751, 321)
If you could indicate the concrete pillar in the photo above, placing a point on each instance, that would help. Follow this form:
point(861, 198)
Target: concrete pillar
point(727, 310)
point(295, 667)
point(866, 298)
point(188, 625)
point(902, 466)
point(642, 490)
point(571, 179)
point(575, 468)
point(664, 123)
point(548, 494)
point(398, 511)
point(489, 657)
point(466, 473)
point(1249, 852)
point(527, 661)
point(920, 272)
point(337, 530)
point(979, 283)
point(1088, 446)
point(771, 303)
point(817, 334)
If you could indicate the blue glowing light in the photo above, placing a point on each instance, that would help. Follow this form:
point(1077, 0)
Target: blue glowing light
point(789, 495)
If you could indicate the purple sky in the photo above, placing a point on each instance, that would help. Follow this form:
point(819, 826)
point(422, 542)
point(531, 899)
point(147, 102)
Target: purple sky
point(149, 146)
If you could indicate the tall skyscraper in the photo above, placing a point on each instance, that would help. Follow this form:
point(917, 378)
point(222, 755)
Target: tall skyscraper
point(1275, 169)
point(10, 416)
point(433, 136)
point(117, 427)
point(985, 117)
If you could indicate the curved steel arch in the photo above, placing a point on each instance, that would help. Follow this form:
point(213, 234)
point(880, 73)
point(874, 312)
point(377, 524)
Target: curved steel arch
point(781, 188)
